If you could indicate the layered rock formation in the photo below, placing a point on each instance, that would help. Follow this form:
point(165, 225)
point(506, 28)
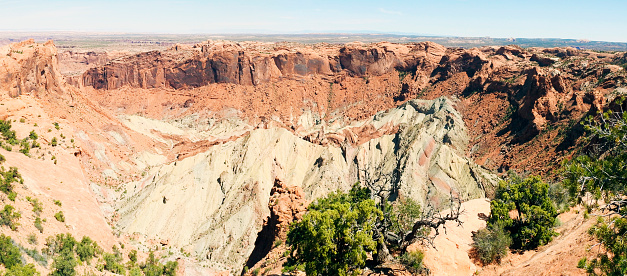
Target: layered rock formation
point(224, 62)
point(183, 147)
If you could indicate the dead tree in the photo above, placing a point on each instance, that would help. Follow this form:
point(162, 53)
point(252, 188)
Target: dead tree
point(385, 186)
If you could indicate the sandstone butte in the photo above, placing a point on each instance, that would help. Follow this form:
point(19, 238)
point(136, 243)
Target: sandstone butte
point(205, 153)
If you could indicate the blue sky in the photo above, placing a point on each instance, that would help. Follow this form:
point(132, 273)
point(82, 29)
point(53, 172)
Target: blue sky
point(595, 20)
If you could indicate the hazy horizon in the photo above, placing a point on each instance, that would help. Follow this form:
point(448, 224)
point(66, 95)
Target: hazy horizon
point(595, 21)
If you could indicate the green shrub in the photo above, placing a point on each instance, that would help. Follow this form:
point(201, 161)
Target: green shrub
point(534, 212)
point(25, 147)
point(603, 174)
point(37, 206)
point(2, 158)
point(57, 202)
point(132, 256)
point(22, 270)
point(7, 133)
point(8, 178)
point(9, 254)
point(86, 249)
point(59, 216)
point(413, 261)
point(33, 135)
point(9, 217)
point(491, 244)
point(38, 225)
point(12, 195)
point(54, 142)
point(135, 271)
point(152, 267)
point(58, 243)
point(335, 236)
point(56, 125)
point(32, 239)
point(64, 264)
point(113, 263)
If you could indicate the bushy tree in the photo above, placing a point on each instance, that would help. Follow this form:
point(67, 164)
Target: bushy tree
point(336, 234)
point(87, 249)
point(524, 209)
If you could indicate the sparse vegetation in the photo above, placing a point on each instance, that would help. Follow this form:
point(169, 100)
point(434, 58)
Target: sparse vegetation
point(38, 207)
point(56, 125)
point(33, 135)
point(601, 175)
point(9, 217)
point(25, 147)
point(32, 239)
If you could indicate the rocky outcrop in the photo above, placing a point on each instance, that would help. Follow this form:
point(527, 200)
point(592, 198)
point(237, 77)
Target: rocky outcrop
point(29, 68)
point(287, 204)
point(222, 62)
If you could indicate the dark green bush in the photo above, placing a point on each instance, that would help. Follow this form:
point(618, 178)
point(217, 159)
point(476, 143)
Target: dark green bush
point(12, 195)
point(335, 236)
point(524, 209)
point(7, 133)
point(9, 254)
point(64, 264)
point(86, 249)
